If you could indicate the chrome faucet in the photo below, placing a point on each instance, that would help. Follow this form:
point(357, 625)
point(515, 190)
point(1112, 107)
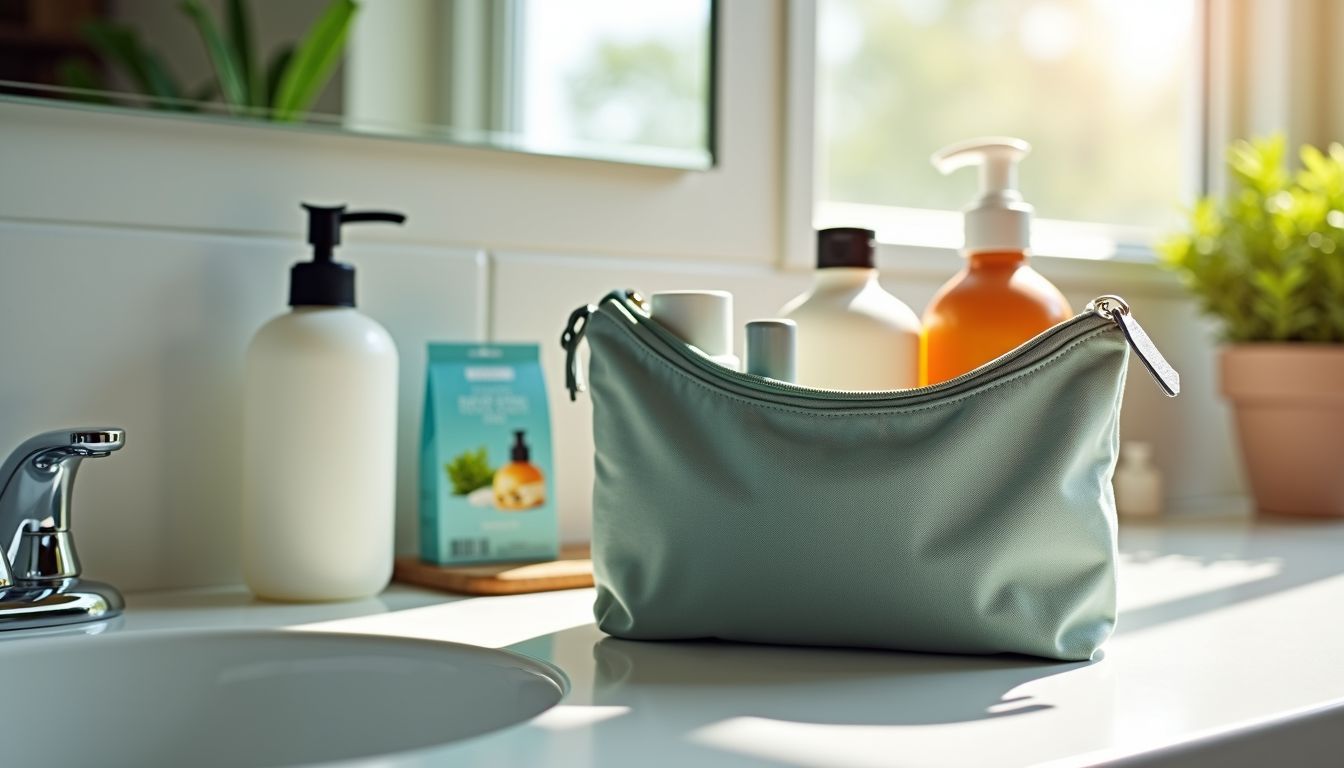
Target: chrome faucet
point(39, 570)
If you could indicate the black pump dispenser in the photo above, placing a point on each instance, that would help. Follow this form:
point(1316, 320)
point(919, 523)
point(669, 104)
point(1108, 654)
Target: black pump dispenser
point(322, 281)
point(519, 451)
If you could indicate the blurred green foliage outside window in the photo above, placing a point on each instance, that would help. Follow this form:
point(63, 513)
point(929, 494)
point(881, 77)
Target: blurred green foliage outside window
point(1107, 91)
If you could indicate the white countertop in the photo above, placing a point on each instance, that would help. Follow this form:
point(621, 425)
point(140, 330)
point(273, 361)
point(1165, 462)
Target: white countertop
point(1223, 624)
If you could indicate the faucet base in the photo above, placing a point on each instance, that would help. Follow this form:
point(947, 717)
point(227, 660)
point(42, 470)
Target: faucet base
point(71, 601)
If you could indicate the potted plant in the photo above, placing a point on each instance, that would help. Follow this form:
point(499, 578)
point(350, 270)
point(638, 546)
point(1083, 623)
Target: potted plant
point(1268, 261)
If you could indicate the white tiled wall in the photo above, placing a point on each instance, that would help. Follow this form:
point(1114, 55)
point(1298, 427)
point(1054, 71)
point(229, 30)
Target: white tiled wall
point(146, 330)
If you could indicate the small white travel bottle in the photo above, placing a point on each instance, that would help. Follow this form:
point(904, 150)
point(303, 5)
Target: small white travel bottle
point(1138, 486)
point(703, 319)
point(320, 435)
point(772, 349)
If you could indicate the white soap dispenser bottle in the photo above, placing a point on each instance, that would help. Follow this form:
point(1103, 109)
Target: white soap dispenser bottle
point(852, 334)
point(319, 435)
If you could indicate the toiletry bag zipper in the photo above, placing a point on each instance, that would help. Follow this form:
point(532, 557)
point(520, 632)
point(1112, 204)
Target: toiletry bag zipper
point(1100, 314)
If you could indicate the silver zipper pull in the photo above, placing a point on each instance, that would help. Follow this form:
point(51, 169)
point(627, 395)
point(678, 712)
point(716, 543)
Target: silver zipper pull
point(1117, 310)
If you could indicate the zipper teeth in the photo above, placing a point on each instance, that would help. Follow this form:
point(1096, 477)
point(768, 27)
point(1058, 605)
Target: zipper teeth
point(680, 352)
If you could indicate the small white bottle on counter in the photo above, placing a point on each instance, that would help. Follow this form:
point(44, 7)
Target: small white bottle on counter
point(1138, 485)
point(852, 334)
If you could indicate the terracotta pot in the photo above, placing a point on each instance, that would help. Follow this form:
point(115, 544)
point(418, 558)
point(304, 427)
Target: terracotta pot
point(1289, 404)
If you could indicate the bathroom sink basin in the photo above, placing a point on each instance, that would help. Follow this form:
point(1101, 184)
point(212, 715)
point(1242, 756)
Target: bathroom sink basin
point(255, 698)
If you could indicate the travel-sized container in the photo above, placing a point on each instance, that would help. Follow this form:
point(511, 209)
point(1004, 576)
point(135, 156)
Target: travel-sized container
point(703, 319)
point(1138, 484)
point(852, 334)
point(320, 434)
point(997, 301)
point(772, 349)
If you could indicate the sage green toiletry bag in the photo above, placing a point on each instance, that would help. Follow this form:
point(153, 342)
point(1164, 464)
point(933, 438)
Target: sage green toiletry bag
point(973, 516)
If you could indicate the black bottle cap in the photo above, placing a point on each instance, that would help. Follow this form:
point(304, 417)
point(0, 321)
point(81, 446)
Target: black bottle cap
point(322, 281)
point(519, 451)
point(845, 247)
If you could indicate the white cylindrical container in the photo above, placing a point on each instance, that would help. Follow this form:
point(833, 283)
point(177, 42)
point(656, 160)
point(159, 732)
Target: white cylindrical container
point(320, 437)
point(772, 349)
point(703, 319)
point(852, 334)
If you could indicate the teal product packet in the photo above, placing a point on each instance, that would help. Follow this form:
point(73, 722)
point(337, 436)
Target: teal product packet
point(487, 486)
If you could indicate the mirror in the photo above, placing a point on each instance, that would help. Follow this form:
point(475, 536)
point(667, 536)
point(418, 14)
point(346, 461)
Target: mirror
point(604, 79)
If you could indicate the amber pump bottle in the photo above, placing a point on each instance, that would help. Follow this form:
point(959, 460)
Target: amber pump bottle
point(997, 301)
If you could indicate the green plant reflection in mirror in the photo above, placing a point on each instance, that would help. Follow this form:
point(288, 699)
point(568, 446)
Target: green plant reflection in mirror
point(607, 79)
point(283, 90)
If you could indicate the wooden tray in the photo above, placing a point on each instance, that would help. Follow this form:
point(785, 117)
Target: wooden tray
point(574, 570)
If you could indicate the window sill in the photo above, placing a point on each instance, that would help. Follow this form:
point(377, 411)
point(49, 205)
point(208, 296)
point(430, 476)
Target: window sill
point(915, 243)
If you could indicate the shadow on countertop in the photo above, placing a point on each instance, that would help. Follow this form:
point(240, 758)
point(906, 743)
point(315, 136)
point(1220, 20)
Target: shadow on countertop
point(717, 680)
point(719, 703)
point(1301, 551)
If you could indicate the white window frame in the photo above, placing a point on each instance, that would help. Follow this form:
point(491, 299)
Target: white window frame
point(1256, 77)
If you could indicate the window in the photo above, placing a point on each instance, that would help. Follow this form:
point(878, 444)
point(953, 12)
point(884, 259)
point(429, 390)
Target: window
point(1107, 91)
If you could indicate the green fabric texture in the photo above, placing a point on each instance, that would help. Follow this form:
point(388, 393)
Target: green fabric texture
point(972, 517)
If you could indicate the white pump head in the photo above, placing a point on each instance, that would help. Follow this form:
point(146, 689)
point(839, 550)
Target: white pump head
point(999, 219)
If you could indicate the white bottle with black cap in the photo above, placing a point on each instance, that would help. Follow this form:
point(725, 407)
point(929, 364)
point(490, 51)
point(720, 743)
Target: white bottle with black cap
point(852, 334)
point(320, 435)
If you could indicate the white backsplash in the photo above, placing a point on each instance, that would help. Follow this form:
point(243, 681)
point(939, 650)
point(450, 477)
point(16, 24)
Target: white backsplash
point(146, 329)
